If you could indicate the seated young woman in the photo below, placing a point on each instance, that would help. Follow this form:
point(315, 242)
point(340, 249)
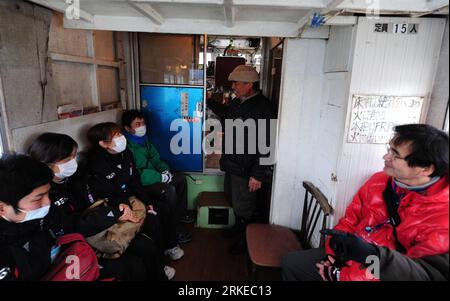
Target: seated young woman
point(112, 175)
point(70, 198)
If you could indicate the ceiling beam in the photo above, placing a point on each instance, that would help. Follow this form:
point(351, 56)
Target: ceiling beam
point(229, 12)
point(217, 2)
point(148, 11)
point(342, 21)
point(388, 7)
point(436, 5)
point(62, 6)
point(440, 11)
point(332, 5)
point(302, 4)
point(210, 27)
point(305, 19)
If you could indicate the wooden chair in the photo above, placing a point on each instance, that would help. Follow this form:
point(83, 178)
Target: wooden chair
point(267, 244)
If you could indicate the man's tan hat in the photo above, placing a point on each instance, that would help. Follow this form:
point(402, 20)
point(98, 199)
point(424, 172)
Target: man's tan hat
point(244, 73)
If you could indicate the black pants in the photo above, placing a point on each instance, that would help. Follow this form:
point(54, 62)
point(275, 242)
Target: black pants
point(242, 200)
point(174, 194)
point(301, 265)
point(147, 249)
point(167, 224)
point(149, 245)
point(125, 268)
point(141, 261)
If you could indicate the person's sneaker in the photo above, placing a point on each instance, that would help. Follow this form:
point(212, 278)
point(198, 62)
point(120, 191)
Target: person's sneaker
point(175, 253)
point(169, 271)
point(184, 237)
point(187, 219)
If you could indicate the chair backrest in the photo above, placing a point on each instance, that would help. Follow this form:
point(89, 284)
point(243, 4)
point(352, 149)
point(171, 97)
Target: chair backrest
point(315, 205)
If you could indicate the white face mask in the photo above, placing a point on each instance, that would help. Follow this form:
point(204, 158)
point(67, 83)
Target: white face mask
point(121, 144)
point(140, 131)
point(67, 169)
point(35, 214)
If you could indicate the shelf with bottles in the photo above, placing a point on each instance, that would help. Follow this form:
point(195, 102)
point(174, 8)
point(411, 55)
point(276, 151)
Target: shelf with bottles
point(177, 76)
point(170, 59)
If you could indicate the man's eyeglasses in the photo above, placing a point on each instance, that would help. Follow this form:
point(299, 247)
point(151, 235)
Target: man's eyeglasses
point(391, 152)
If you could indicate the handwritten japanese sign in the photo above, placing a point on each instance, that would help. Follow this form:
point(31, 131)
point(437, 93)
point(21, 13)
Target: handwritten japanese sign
point(374, 116)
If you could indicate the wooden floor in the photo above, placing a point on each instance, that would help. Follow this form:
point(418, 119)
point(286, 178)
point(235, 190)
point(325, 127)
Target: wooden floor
point(207, 258)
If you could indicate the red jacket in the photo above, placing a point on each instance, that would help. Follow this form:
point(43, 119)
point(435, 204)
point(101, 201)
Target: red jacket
point(424, 227)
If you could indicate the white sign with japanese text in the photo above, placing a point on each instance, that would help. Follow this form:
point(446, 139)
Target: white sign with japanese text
point(373, 116)
point(397, 28)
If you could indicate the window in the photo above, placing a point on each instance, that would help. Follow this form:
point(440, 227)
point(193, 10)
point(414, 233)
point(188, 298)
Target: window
point(85, 68)
point(170, 59)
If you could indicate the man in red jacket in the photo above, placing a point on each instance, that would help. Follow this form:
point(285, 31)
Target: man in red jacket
point(398, 220)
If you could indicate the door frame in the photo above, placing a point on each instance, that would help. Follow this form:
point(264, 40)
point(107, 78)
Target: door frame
point(4, 137)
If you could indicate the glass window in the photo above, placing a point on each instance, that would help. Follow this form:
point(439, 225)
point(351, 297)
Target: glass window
point(170, 59)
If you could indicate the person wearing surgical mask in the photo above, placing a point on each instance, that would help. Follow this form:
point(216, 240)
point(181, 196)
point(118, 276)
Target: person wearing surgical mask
point(25, 242)
point(68, 191)
point(71, 199)
point(113, 176)
point(58, 152)
point(168, 189)
point(66, 168)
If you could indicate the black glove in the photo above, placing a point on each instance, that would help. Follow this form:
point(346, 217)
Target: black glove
point(347, 246)
point(337, 262)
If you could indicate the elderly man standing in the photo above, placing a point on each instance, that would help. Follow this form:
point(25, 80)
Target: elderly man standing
point(244, 173)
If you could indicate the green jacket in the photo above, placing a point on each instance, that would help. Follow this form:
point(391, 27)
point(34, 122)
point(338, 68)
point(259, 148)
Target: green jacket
point(148, 162)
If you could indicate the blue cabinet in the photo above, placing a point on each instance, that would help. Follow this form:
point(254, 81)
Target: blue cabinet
point(182, 107)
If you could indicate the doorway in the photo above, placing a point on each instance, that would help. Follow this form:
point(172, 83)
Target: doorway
point(274, 79)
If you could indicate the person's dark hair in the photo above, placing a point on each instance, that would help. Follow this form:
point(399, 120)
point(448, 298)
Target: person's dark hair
point(429, 146)
point(129, 116)
point(102, 132)
point(52, 147)
point(19, 176)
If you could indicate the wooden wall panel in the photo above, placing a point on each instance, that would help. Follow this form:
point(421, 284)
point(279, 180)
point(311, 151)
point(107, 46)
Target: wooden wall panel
point(104, 47)
point(23, 31)
point(299, 112)
point(338, 57)
point(108, 85)
point(75, 127)
point(67, 41)
point(439, 97)
point(73, 83)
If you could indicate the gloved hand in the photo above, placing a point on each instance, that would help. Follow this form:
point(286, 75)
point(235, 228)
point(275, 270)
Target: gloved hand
point(331, 273)
point(347, 246)
point(327, 269)
point(166, 176)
